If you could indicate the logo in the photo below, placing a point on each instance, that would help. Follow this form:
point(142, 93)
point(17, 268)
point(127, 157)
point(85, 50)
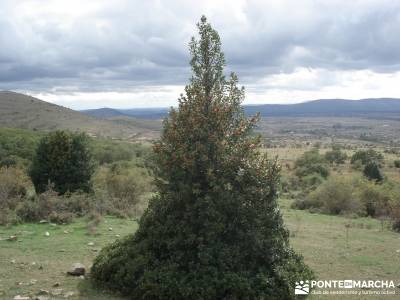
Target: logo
point(302, 288)
point(345, 287)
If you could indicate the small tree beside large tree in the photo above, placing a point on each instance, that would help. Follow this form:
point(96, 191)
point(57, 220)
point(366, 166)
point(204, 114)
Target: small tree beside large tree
point(64, 161)
point(214, 229)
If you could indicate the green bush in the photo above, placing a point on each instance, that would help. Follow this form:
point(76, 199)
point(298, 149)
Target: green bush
point(122, 188)
point(64, 160)
point(374, 198)
point(311, 162)
point(334, 196)
point(54, 208)
point(312, 181)
point(18, 143)
point(357, 165)
point(396, 163)
point(13, 189)
point(393, 192)
point(110, 151)
point(372, 172)
point(8, 161)
point(367, 156)
point(336, 156)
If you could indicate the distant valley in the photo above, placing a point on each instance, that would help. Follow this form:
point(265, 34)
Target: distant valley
point(365, 121)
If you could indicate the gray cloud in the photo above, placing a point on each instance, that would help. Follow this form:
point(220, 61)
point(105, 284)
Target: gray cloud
point(116, 45)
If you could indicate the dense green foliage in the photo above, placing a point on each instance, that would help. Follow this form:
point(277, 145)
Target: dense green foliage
point(64, 160)
point(214, 230)
point(122, 181)
point(355, 197)
point(311, 163)
point(334, 196)
point(110, 151)
point(372, 171)
point(396, 163)
point(336, 156)
point(17, 146)
point(125, 186)
point(366, 156)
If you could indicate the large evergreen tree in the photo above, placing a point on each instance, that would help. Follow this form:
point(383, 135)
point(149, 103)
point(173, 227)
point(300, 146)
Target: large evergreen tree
point(214, 230)
point(64, 160)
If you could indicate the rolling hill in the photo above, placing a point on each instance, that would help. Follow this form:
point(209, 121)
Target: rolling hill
point(22, 111)
point(377, 108)
point(330, 107)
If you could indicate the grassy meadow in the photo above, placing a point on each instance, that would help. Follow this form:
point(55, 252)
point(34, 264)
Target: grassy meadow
point(36, 261)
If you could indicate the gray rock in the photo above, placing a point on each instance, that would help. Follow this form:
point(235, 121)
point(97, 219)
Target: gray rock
point(77, 269)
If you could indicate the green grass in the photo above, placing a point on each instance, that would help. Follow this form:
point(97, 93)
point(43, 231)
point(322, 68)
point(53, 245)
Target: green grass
point(369, 253)
point(20, 261)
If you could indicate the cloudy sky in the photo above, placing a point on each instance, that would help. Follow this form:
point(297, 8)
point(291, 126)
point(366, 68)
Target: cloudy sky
point(121, 53)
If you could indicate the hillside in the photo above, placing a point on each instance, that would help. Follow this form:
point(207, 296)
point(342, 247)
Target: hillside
point(22, 111)
point(384, 108)
point(140, 113)
point(104, 112)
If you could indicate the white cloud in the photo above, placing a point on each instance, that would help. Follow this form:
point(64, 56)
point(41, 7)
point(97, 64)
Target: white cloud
point(145, 96)
point(309, 84)
point(74, 52)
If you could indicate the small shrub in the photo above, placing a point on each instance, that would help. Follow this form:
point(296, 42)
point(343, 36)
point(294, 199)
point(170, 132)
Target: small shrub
point(357, 165)
point(13, 189)
point(374, 198)
point(319, 169)
point(311, 162)
point(120, 189)
point(300, 204)
point(372, 172)
point(8, 217)
point(336, 156)
point(29, 210)
point(8, 162)
point(396, 163)
point(367, 156)
point(335, 196)
point(94, 219)
point(53, 207)
point(63, 217)
point(312, 181)
point(394, 207)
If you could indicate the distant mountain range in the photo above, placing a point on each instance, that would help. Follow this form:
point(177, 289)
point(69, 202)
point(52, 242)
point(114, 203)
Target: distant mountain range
point(140, 113)
point(376, 107)
point(379, 107)
point(329, 107)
